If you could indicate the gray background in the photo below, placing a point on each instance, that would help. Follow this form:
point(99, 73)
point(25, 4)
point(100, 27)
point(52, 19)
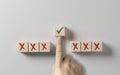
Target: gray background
point(34, 20)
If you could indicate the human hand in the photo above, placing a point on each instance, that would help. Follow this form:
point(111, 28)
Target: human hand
point(64, 65)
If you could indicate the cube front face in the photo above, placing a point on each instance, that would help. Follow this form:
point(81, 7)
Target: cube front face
point(44, 46)
point(59, 31)
point(33, 47)
point(97, 46)
point(75, 46)
point(23, 46)
point(85, 46)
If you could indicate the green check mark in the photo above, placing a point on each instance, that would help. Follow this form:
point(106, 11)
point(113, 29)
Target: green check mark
point(59, 30)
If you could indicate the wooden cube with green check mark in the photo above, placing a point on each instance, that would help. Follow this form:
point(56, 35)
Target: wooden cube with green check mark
point(60, 31)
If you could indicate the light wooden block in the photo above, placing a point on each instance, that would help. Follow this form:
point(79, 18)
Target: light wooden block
point(97, 46)
point(23, 46)
point(85, 46)
point(44, 46)
point(33, 47)
point(75, 46)
point(59, 31)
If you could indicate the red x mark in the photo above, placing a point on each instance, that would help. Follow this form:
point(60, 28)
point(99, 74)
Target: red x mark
point(85, 46)
point(75, 46)
point(22, 46)
point(33, 46)
point(43, 46)
point(96, 46)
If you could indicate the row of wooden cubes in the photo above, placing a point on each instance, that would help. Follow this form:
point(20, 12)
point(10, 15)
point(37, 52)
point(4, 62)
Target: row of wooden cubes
point(34, 46)
point(76, 46)
point(86, 46)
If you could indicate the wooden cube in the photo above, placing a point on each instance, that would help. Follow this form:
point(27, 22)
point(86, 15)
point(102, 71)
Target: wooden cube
point(85, 46)
point(33, 47)
point(60, 31)
point(44, 46)
point(97, 46)
point(23, 46)
point(75, 46)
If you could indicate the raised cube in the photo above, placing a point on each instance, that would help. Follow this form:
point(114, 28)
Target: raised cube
point(60, 31)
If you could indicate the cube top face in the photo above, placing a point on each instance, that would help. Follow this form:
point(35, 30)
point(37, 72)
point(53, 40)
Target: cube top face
point(97, 46)
point(33, 46)
point(85, 46)
point(23, 46)
point(75, 46)
point(45, 47)
point(59, 31)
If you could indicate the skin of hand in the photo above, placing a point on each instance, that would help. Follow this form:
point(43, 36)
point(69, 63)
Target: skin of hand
point(64, 65)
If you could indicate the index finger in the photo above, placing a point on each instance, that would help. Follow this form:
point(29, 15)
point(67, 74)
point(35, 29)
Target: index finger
point(59, 52)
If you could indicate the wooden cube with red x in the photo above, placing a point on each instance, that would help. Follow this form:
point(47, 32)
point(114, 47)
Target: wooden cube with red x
point(44, 46)
point(60, 31)
point(97, 46)
point(23, 46)
point(75, 46)
point(33, 47)
point(86, 46)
